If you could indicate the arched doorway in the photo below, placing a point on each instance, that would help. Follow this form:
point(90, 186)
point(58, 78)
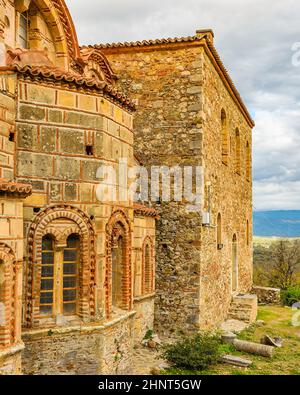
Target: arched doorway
point(234, 268)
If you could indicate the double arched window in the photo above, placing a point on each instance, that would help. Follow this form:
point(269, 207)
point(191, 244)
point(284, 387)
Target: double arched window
point(60, 276)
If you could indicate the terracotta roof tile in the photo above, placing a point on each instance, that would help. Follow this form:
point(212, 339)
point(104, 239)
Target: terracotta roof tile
point(144, 43)
point(14, 188)
point(55, 74)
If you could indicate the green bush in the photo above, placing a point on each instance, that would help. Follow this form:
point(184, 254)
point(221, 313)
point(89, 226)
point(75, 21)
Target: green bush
point(195, 353)
point(290, 295)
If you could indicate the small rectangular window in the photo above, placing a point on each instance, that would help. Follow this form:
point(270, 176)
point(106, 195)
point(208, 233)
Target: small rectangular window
point(89, 150)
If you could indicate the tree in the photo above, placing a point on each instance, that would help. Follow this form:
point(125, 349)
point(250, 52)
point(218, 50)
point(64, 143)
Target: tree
point(280, 265)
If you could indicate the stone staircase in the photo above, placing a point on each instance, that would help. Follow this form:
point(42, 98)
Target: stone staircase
point(243, 308)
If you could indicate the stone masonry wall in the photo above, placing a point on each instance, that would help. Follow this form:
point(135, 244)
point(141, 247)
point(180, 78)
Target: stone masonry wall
point(180, 96)
point(144, 228)
point(267, 295)
point(230, 196)
point(166, 85)
point(103, 349)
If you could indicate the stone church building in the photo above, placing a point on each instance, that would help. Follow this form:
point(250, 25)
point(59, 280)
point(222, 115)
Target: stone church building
point(82, 280)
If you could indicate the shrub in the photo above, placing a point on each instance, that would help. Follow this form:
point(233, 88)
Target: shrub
point(195, 353)
point(290, 295)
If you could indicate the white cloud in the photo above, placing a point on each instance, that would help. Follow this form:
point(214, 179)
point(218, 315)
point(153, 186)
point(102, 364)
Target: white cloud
point(254, 38)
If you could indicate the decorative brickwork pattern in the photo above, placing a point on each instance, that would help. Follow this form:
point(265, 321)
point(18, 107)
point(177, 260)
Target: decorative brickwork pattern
point(42, 226)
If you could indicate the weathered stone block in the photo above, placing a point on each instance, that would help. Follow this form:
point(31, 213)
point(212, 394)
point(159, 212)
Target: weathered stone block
point(55, 191)
point(55, 116)
point(36, 165)
point(85, 120)
point(27, 136)
point(36, 93)
point(48, 139)
point(71, 141)
point(90, 170)
point(32, 113)
point(67, 168)
point(70, 192)
point(66, 99)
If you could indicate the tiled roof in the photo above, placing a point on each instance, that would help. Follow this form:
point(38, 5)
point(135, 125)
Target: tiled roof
point(146, 42)
point(54, 74)
point(189, 39)
point(145, 211)
point(14, 188)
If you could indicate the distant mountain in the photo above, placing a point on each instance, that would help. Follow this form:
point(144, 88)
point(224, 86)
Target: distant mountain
point(285, 223)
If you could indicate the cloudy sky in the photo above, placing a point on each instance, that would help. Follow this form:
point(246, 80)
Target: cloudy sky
point(255, 40)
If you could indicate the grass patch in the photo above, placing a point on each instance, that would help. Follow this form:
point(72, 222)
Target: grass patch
point(285, 360)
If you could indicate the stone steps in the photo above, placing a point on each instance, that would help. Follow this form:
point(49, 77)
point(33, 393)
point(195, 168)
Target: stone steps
point(243, 308)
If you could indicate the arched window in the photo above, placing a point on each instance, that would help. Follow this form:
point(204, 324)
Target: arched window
point(47, 276)
point(117, 272)
point(219, 232)
point(225, 137)
point(70, 275)
point(237, 152)
point(59, 277)
point(118, 263)
point(23, 30)
point(248, 162)
point(234, 269)
point(148, 272)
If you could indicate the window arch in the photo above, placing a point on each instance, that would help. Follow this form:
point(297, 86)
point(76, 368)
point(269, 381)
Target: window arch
point(225, 137)
point(70, 246)
point(118, 253)
point(219, 232)
point(118, 263)
point(237, 151)
point(148, 267)
point(248, 161)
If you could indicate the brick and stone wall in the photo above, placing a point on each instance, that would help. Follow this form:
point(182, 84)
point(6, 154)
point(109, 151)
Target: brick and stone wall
point(228, 193)
point(144, 230)
point(180, 92)
point(85, 350)
point(8, 83)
